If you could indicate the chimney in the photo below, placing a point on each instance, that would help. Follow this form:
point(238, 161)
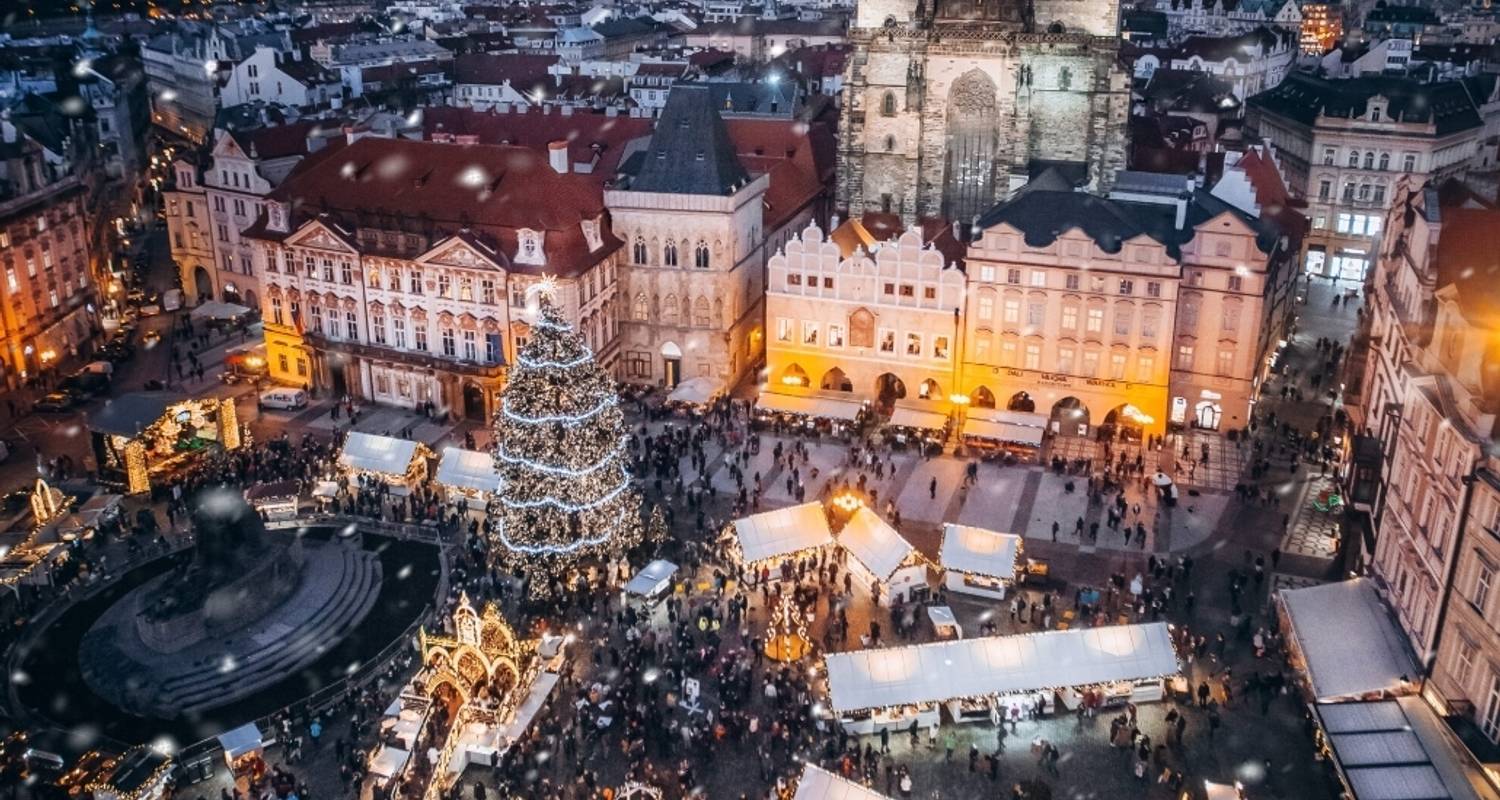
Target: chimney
point(1182, 202)
point(557, 154)
point(958, 230)
point(567, 111)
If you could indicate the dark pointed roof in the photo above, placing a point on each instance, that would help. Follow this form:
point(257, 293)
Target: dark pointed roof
point(690, 150)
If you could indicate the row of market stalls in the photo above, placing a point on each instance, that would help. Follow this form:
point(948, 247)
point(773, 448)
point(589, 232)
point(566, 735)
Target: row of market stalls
point(36, 545)
point(974, 560)
point(1382, 736)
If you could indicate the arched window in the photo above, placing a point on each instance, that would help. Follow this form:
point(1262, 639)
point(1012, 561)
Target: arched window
point(669, 254)
point(1369, 159)
point(700, 312)
point(888, 104)
point(641, 311)
point(1385, 161)
point(638, 254)
point(890, 144)
point(700, 255)
point(669, 309)
point(1353, 158)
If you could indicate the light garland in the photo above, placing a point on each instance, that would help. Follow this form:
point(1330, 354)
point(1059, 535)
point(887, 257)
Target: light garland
point(577, 546)
point(588, 355)
point(564, 418)
point(563, 471)
point(552, 502)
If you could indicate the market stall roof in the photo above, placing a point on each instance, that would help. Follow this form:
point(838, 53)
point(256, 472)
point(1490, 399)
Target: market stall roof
point(371, 453)
point(129, 414)
point(1398, 749)
point(1017, 427)
point(389, 761)
point(651, 576)
point(782, 532)
point(214, 309)
point(240, 741)
point(138, 768)
point(942, 671)
point(817, 783)
point(699, 390)
point(1349, 642)
point(875, 543)
point(979, 551)
point(468, 469)
point(811, 405)
point(915, 416)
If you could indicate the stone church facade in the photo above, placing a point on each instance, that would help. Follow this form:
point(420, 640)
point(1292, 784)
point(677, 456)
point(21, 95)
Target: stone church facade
point(948, 99)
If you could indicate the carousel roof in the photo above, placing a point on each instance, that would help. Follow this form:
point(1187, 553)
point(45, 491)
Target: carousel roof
point(130, 414)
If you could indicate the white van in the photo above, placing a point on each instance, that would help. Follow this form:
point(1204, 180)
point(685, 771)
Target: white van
point(283, 398)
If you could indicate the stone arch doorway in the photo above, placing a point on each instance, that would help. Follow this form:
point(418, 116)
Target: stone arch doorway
point(232, 294)
point(794, 375)
point(1124, 422)
point(1070, 417)
point(972, 142)
point(888, 389)
point(1021, 401)
point(982, 398)
point(252, 301)
point(473, 403)
point(930, 390)
point(835, 380)
point(1207, 415)
point(671, 358)
point(203, 283)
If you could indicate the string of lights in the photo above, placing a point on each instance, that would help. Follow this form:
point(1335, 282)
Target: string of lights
point(563, 418)
point(564, 471)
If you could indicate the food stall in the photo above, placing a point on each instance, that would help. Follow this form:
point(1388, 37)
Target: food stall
point(944, 624)
point(809, 410)
point(274, 501)
point(695, 393)
point(468, 474)
point(763, 541)
point(242, 747)
point(399, 463)
point(141, 436)
point(215, 311)
point(917, 423)
point(894, 686)
point(978, 561)
point(1344, 642)
point(1017, 434)
point(880, 557)
point(99, 511)
point(141, 773)
point(817, 783)
point(653, 581)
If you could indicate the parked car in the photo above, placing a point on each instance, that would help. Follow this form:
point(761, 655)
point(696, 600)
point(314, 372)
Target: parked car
point(282, 398)
point(117, 350)
point(56, 401)
point(86, 384)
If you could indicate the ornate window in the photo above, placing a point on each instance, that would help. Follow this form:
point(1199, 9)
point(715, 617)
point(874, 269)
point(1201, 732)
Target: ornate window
point(638, 251)
point(700, 312)
point(700, 255)
point(640, 311)
point(888, 104)
point(669, 254)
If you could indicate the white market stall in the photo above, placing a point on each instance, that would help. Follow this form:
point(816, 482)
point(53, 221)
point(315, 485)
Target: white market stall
point(885, 561)
point(1017, 432)
point(276, 500)
point(944, 623)
point(1345, 642)
point(768, 538)
point(402, 463)
point(389, 762)
point(654, 580)
point(241, 745)
point(891, 687)
point(468, 473)
point(817, 783)
point(978, 561)
point(215, 310)
point(697, 391)
point(812, 410)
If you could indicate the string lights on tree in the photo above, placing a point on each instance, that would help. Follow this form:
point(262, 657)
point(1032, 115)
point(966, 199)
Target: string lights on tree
point(565, 496)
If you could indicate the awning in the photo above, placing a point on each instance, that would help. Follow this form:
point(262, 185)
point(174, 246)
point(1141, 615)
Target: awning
point(214, 309)
point(783, 532)
point(241, 741)
point(389, 762)
point(698, 390)
point(904, 416)
point(468, 469)
point(129, 414)
point(650, 579)
point(874, 543)
point(371, 453)
point(1349, 644)
point(942, 671)
point(820, 784)
point(1398, 749)
point(810, 405)
point(1014, 427)
point(979, 551)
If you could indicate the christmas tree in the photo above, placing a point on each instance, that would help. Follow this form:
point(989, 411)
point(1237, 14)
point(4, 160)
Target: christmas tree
point(566, 495)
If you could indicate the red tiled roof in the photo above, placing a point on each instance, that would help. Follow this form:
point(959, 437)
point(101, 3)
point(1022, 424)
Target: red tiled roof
point(585, 133)
point(281, 141)
point(798, 156)
point(445, 188)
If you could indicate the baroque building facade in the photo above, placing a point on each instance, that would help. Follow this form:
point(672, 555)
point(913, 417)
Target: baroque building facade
point(946, 100)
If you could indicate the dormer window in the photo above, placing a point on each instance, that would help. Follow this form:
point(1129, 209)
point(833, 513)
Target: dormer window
point(591, 234)
point(529, 248)
point(1377, 112)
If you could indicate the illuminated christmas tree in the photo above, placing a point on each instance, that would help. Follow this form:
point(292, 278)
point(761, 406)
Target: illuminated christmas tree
point(566, 496)
point(786, 639)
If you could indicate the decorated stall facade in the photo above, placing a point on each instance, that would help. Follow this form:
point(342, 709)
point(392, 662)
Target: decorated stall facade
point(399, 463)
point(140, 436)
point(1017, 433)
point(886, 562)
point(810, 410)
point(979, 562)
point(763, 541)
point(468, 474)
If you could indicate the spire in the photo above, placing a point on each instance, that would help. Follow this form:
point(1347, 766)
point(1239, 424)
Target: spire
point(690, 150)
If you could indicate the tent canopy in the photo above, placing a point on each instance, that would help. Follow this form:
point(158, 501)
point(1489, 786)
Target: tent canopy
point(241, 741)
point(389, 761)
point(979, 551)
point(875, 543)
point(698, 390)
point(810, 405)
point(650, 577)
point(1398, 749)
point(1015, 427)
point(214, 309)
point(909, 416)
point(371, 453)
point(820, 784)
point(129, 414)
point(943, 671)
point(782, 532)
point(1348, 640)
point(468, 469)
